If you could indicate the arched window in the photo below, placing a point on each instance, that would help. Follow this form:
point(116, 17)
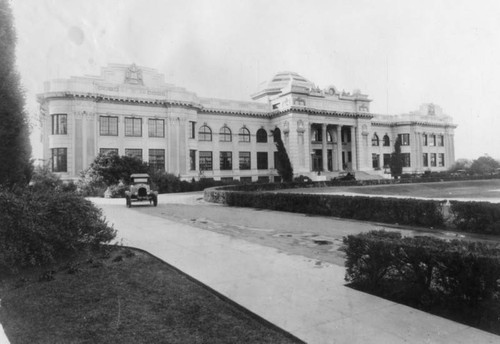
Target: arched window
point(375, 140)
point(244, 135)
point(387, 142)
point(329, 137)
point(225, 134)
point(317, 137)
point(261, 135)
point(205, 133)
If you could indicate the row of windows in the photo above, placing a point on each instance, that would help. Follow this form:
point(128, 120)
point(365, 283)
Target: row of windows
point(205, 160)
point(433, 162)
point(225, 134)
point(436, 159)
point(428, 140)
point(108, 126)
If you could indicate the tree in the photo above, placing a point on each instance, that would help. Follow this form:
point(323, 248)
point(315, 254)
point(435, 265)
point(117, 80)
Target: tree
point(484, 165)
point(15, 148)
point(397, 160)
point(460, 165)
point(284, 166)
point(112, 168)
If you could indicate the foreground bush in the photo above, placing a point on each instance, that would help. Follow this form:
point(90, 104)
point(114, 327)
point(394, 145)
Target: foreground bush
point(37, 226)
point(427, 273)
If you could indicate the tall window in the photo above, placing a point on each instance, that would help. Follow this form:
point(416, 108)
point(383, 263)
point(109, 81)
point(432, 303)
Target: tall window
point(317, 135)
point(441, 140)
point(425, 139)
point(205, 134)
point(245, 162)
point(205, 161)
point(387, 160)
point(404, 139)
point(244, 135)
point(156, 127)
point(157, 159)
point(108, 126)
point(406, 159)
point(426, 160)
point(375, 141)
point(387, 141)
point(226, 160)
point(59, 160)
point(192, 129)
point(433, 159)
point(375, 160)
point(59, 124)
point(192, 160)
point(432, 140)
point(134, 152)
point(225, 134)
point(262, 161)
point(441, 159)
point(133, 126)
point(261, 136)
point(108, 151)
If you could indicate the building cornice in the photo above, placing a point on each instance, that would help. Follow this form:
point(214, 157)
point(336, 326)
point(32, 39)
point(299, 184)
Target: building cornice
point(319, 112)
point(414, 123)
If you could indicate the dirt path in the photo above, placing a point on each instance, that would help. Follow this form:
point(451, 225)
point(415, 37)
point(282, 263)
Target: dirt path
point(316, 237)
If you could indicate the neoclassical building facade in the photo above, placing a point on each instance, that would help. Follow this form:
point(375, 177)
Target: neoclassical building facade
point(131, 110)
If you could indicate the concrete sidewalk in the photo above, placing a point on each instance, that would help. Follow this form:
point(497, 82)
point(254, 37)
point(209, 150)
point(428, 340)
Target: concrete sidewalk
point(304, 297)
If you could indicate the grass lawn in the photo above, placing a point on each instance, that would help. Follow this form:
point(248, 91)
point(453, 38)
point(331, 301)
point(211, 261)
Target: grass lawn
point(480, 189)
point(120, 295)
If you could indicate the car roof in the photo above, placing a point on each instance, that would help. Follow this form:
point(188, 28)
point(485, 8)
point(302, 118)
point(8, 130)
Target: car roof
point(139, 175)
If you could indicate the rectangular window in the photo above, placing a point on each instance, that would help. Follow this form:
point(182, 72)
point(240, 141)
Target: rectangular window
point(404, 139)
point(157, 159)
point(441, 159)
point(349, 156)
point(227, 180)
point(387, 160)
point(245, 162)
point(433, 159)
point(192, 160)
point(263, 179)
point(426, 160)
point(108, 126)
point(432, 141)
point(276, 160)
point(59, 160)
point(425, 140)
point(226, 160)
point(246, 180)
point(133, 126)
point(156, 127)
point(262, 161)
point(59, 124)
point(375, 160)
point(205, 161)
point(133, 152)
point(406, 159)
point(441, 140)
point(108, 150)
point(192, 128)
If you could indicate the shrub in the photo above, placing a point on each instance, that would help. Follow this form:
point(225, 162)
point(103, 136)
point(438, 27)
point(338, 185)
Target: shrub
point(38, 226)
point(481, 217)
point(424, 272)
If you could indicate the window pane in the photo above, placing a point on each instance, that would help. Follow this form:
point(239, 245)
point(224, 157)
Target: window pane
point(59, 160)
point(245, 162)
point(205, 134)
point(205, 161)
point(262, 160)
point(261, 136)
point(157, 159)
point(244, 135)
point(226, 160)
point(156, 128)
point(134, 152)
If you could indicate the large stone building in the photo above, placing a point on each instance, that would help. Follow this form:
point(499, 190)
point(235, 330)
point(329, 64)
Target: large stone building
point(132, 111)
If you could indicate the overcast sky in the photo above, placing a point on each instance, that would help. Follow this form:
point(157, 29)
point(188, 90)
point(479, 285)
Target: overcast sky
point(401, 53)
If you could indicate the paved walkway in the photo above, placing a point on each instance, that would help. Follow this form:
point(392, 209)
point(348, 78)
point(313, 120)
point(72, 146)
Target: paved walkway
point(295, 293)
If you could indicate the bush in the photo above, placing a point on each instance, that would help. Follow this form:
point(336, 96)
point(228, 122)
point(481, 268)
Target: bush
point(422, 271)
point(37, 226)
point(480, 217)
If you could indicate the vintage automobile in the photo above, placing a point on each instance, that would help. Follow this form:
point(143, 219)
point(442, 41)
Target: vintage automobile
point(140, 190)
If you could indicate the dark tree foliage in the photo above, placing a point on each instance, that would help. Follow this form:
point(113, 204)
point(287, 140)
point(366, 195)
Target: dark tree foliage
point(113, 168)
point(484, 165)
point(397, 160)
point(15, 148)
point(284, 166)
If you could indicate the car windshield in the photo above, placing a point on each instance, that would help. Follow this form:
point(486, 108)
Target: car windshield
point(140, 180)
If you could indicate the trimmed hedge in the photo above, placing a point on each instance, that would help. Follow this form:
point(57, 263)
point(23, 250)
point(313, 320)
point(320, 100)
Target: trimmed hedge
point(425, 213)
point(457, 277)
point(478, 217)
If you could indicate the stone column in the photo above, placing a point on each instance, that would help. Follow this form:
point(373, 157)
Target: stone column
point(323, 148)
point(339, 148)
point(354, 166)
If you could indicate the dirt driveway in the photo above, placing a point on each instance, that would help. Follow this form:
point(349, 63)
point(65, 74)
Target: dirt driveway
point(315, 237)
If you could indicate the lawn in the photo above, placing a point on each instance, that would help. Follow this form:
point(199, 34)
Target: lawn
point(121, 295)
point(476, 189)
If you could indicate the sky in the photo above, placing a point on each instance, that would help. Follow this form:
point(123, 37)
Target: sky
point(400, 53)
